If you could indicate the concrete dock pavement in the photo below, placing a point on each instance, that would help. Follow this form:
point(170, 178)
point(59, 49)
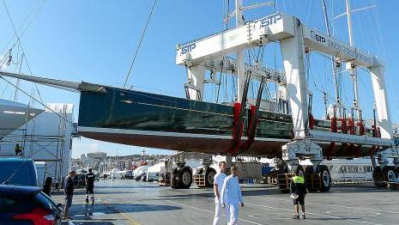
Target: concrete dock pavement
point(131, 202)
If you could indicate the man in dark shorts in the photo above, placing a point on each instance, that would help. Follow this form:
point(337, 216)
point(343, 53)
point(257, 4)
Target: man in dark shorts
point(298, 187)
point(68, 191)
point(90, 177)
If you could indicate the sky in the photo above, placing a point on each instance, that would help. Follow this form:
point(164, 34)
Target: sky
point(95, 41)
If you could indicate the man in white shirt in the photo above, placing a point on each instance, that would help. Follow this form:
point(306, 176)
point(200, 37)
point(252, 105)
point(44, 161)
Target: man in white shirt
point(231, 196)
point(217, 190)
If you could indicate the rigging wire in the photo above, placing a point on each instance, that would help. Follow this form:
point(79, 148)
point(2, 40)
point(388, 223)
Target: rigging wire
point(20, 45)
point(140, 42)
point(322, 90)
point(38, 10)
point(220, 80)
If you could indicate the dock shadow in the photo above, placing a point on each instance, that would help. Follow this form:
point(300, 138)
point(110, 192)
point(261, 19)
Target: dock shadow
point(112, 208)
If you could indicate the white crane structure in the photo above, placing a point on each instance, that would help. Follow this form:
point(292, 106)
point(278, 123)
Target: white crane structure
point(294, 37)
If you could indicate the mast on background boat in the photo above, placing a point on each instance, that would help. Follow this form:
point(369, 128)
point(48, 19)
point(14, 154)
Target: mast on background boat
point(349, 66)
point(240, 22)
point(336, 65)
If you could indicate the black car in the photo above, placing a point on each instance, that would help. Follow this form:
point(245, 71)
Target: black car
point(27, 205)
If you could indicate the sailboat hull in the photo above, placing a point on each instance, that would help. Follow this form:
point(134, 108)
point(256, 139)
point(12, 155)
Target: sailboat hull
point(159, 121)
point(181, 141)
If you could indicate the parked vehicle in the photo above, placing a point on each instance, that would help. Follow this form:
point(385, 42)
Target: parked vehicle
point(140, 177)
point(153, 176)
point(155, 171)
point(41, 168)
point(129, 175)
point(139, 172)
point(27, 205)
point(15, 171)
point(143, 178)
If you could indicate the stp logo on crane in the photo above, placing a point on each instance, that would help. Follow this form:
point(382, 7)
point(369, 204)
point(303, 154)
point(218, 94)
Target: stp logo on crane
point(187, 48)
point(269, 20)
point(317, 37)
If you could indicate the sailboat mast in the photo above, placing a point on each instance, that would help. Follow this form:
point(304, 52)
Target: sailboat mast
point(327, 23)
point(349, 20)
point(240, 53)
point(352, 71)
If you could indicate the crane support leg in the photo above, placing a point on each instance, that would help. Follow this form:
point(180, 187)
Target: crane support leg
point(195, 85)
point(293, 56)
point(292, 50)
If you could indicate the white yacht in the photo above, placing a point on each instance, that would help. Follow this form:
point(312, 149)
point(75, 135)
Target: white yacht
point(13, 115)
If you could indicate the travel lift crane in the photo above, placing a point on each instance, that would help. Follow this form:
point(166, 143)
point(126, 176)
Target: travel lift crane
point(210, 53)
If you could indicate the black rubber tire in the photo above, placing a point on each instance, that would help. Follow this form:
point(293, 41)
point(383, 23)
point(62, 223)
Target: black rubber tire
point(186, 177)
point(378, 177)
point(325, 178)
point(299, 170)
point(389, 174)
point(209, 177)
point(309, 173)
point(174, 179)
point(282, 184)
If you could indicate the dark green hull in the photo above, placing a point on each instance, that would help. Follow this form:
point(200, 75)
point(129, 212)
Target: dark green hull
point(159, 121)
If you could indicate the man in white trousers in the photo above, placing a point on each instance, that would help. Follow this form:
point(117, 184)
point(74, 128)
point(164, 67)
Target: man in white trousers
point(217, 190)
point(231, 197)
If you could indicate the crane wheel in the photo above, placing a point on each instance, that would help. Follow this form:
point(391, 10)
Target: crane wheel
point(378, 177)
point(389, 174)
point(209, 177)
point(186, 177)
point(309, 179)
point(325, 178)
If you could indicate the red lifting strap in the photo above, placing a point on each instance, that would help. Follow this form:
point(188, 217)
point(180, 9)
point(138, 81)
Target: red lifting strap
point(351, 127)
point(237, 130)
point(250, 129)
point(343, 126)
point(374, 129)
point(311, 121)
point(361, 128)
point(334, 126)
point(334, 129)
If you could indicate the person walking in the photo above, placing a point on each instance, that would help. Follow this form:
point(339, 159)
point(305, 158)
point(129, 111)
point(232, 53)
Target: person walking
point(90, 178)
point(298, 193)
point(68, 191)
point(232, 197)
point(47, 186)
point(217, 190)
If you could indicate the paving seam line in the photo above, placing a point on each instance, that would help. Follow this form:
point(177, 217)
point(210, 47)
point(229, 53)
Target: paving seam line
point(316, 214)
point(129, 218)
point(192, 207)
point(349, 207)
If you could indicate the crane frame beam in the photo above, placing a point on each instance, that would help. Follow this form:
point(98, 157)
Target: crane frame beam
point(293, 37)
